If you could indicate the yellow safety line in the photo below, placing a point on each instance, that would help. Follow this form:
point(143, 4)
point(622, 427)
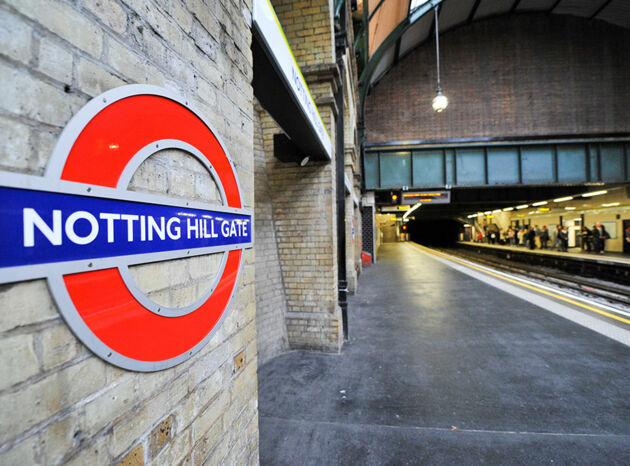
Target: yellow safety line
point(298, 68)
point(525, 285)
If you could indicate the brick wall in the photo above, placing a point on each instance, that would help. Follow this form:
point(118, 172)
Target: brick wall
point(59, 403)
point(522, 75)
point(302, 199)
point(176, 283)
point(308, 25)
point(271, 302)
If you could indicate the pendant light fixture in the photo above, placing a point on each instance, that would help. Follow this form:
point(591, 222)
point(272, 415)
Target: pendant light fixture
point(440, 102)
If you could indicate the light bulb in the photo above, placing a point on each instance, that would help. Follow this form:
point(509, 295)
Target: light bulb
point(440, 102)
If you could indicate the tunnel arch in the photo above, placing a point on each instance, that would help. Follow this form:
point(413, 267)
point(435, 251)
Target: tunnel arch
point(392, 29)
point(513, 75)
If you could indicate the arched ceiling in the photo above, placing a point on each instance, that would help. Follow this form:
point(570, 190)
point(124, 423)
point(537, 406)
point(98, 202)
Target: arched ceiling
point(396, 27)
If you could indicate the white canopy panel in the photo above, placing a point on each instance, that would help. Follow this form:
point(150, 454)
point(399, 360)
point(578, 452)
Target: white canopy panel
point(416, 34)
point(454, 12)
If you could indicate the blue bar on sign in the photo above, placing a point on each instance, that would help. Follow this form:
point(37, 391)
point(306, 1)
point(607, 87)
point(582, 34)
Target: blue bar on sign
point(41, 227)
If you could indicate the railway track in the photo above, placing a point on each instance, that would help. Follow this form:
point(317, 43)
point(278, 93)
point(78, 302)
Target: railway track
point(612, 292)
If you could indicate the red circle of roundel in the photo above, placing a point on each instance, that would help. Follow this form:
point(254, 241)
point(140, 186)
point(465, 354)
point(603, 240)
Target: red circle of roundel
point(99, 156)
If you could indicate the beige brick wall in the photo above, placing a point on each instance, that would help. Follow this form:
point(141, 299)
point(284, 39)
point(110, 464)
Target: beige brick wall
point(58, 402)
point(309, 27)
point(271, 301)
point(301, 202)
point(302, 199)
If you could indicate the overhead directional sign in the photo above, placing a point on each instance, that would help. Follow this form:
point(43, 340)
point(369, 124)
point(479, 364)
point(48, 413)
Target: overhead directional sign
point(268, 29)
point(428, 197)
point(80, 227)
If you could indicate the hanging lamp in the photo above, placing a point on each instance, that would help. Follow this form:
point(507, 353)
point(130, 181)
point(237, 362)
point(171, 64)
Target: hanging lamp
point(440, 102)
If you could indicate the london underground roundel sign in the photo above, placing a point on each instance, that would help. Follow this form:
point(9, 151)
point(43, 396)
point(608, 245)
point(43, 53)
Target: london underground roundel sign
point(80, 227)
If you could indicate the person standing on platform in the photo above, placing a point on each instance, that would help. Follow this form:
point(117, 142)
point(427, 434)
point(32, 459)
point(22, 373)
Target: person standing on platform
point(587, 237)
point(493, 237)
point(556, 238)
point(626, 235)
point(526, 231)
point(520, 236)
point(511, 235)
point(537, 231)
point(531, 238)
point(563, 235)
point(600, 235)
point(544, 237)
point(595, 234)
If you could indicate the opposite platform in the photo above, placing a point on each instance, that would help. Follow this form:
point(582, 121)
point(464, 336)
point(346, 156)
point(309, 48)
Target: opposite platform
point(576, 253)
point(443, 368)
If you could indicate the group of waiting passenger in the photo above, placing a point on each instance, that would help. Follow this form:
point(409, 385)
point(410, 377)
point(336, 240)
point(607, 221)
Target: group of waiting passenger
point(533, 237)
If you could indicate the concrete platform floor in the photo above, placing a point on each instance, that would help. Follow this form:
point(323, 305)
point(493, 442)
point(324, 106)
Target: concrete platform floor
point(444, 369)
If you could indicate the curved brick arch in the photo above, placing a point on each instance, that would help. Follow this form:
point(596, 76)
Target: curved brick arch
point(524, 75)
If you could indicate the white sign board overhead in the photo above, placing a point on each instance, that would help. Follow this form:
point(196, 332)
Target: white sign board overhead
point(267, 24)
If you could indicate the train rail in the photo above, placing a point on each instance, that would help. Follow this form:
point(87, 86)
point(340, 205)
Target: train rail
point(563, 276)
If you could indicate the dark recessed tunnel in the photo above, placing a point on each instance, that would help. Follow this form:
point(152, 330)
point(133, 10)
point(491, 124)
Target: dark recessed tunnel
point(436, 232)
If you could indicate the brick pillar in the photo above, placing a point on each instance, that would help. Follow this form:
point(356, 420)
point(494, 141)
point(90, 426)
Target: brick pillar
point(303, 198)
point(271, 302)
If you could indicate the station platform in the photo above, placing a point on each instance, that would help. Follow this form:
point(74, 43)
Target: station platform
point(445, 366)
point(577, 253)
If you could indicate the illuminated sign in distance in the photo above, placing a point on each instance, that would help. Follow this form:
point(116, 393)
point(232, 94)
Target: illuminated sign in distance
point(426, 197)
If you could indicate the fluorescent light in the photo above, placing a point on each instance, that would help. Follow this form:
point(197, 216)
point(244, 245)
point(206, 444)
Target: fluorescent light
point(487, 212)
point(579, 219)
point(595, 193)
point(466, 225)
point(524, 206)
point(412, 209)
point(496, 211)
point(611, 204)
point(507, 209)
point(472, 216)
point(562, 199)
point(536, 204)
point(569, 208)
